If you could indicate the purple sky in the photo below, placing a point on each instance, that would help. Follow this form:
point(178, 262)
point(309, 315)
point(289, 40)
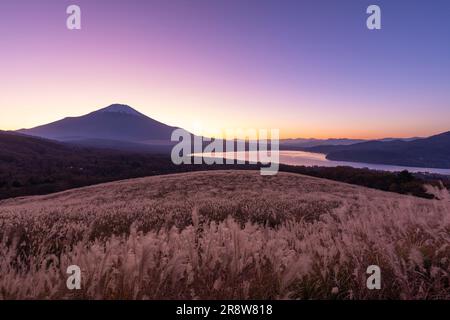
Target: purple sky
point(310, 68)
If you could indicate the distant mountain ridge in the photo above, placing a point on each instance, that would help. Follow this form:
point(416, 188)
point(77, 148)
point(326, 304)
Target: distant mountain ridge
point(311, 142)
point(431, 152)
point(301, 143)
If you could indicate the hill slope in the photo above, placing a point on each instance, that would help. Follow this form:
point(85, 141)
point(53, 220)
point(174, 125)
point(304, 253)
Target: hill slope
point(33, 165)
point(196, 187)
point(224, 235)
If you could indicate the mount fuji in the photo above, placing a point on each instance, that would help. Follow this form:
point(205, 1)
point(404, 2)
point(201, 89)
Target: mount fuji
point(115, 123)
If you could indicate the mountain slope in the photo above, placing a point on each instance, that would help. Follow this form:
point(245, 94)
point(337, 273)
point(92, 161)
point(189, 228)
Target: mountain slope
point(33, 165)
point(16, 148)
point(432, 152)
point(116, 122)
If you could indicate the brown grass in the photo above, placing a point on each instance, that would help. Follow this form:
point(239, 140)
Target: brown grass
point(225, 235)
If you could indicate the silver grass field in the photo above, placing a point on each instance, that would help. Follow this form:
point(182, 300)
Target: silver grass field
point(225, 235)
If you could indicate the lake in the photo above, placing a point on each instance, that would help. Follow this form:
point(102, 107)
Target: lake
point(301, 158)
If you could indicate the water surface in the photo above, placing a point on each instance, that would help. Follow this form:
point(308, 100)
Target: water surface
point(302, 158)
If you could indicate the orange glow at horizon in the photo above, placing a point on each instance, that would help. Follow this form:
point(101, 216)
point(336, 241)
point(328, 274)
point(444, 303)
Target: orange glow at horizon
point(211, 124)
point(227, 64)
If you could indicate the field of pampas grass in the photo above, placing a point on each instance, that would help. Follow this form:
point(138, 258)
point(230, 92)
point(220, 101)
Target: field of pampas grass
point(225, 235)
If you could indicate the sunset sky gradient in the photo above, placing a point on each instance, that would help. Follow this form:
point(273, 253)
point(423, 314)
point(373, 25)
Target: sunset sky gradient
point(310, 68)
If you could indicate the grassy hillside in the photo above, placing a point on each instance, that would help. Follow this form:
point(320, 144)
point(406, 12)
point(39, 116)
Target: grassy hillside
point(33, 166)
point(224, 235)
